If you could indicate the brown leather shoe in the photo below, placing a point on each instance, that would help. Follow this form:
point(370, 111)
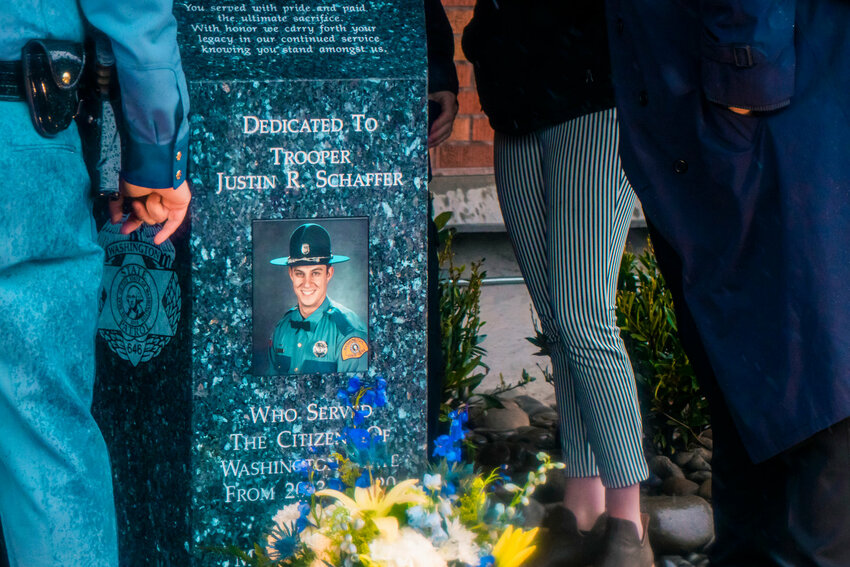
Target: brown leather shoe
point(562, 544)
point(623, 547)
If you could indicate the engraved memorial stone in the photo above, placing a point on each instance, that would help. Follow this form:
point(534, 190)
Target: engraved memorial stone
point(222, 352)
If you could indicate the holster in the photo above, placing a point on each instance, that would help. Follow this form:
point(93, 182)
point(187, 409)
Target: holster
point(99, 119)
point(52, 71)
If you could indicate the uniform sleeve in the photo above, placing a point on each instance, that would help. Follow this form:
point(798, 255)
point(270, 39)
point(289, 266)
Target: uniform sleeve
point(354, 355)
point(153, 88)
point(748, 57)
point(442, 75)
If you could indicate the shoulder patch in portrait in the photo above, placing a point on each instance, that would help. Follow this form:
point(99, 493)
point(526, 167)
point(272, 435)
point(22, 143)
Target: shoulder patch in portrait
point(355, 347)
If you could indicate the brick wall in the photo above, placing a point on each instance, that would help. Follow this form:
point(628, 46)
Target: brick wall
point(469, 151)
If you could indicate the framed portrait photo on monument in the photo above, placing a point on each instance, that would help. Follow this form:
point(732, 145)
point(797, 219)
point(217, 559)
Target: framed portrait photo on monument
point(310, 296)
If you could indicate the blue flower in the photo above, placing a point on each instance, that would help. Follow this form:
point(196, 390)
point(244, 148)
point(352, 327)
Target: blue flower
point(368, 398)
point(342, 395)
point(360, 438)
point(380, 384)
point(416, 516)
point(380, 398)
point(365, 480)
point(302, 466)
point(305, 488)
point(487, 561)
point(303, 521)
point(456, 431)
point(335, 484)
point(434, 522)
point(444, 447)
point(353, 384)
point(360, 416)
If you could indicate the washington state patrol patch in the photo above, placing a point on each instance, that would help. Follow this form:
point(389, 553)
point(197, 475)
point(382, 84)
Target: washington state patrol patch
point(140, 294)
point(355, 347)
point(320, 349)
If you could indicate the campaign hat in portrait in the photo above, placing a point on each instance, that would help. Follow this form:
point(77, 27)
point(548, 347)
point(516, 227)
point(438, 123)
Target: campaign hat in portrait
point(309, 245)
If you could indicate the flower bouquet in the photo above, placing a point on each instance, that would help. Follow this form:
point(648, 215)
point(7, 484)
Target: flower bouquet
point(451, 517)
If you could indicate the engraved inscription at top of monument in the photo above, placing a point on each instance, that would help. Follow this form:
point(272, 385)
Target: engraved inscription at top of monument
point(308, 39)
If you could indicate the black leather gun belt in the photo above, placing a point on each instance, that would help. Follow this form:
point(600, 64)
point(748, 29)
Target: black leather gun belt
point(11, 80)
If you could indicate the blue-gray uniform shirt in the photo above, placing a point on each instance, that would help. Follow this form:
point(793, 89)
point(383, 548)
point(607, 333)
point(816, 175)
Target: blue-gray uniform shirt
point(153, 87)
point(331, 339)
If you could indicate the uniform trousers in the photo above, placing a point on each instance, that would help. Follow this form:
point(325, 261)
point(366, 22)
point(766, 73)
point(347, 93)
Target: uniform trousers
point(567, 207)
point(56, 498)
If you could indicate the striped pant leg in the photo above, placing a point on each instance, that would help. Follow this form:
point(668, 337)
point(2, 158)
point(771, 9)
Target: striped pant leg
point(590, 204)
point(519, 172)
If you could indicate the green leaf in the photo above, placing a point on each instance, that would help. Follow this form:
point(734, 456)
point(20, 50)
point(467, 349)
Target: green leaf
point(442, 219)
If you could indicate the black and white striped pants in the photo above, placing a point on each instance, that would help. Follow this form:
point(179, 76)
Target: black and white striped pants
point(567, 206)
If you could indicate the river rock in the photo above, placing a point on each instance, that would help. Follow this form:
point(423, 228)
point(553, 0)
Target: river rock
point(531, 405)
point(679, 486)
point(493, 454)
point(536, 438)
point(509, 417)
point(682, 458)
point(698, 463)
point(678, 524)
point(476, 438)
point(704, 453)
point(548, 419)
point(705, 490)
point(700, 476)
point(664, 468)
point(474, 413)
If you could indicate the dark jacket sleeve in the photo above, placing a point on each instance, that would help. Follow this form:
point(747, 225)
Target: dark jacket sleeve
point(748, 57)
point(442, 75)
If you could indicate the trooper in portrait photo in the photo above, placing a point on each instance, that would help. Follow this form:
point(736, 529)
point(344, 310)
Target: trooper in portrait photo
point(317, 335)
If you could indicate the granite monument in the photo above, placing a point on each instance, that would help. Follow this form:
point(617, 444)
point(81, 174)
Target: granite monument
point(302, 112)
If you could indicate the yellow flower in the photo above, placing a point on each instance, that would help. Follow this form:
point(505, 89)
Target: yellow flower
point(514, 547)
point(375, 499)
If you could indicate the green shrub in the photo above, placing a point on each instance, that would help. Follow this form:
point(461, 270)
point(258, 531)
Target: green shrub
point(677, 411)
point(460, 322)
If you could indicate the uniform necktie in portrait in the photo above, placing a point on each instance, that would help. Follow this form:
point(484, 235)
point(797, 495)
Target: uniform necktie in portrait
point(303, 325)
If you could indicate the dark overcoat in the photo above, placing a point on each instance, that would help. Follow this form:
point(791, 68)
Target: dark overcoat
point(757, 207)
